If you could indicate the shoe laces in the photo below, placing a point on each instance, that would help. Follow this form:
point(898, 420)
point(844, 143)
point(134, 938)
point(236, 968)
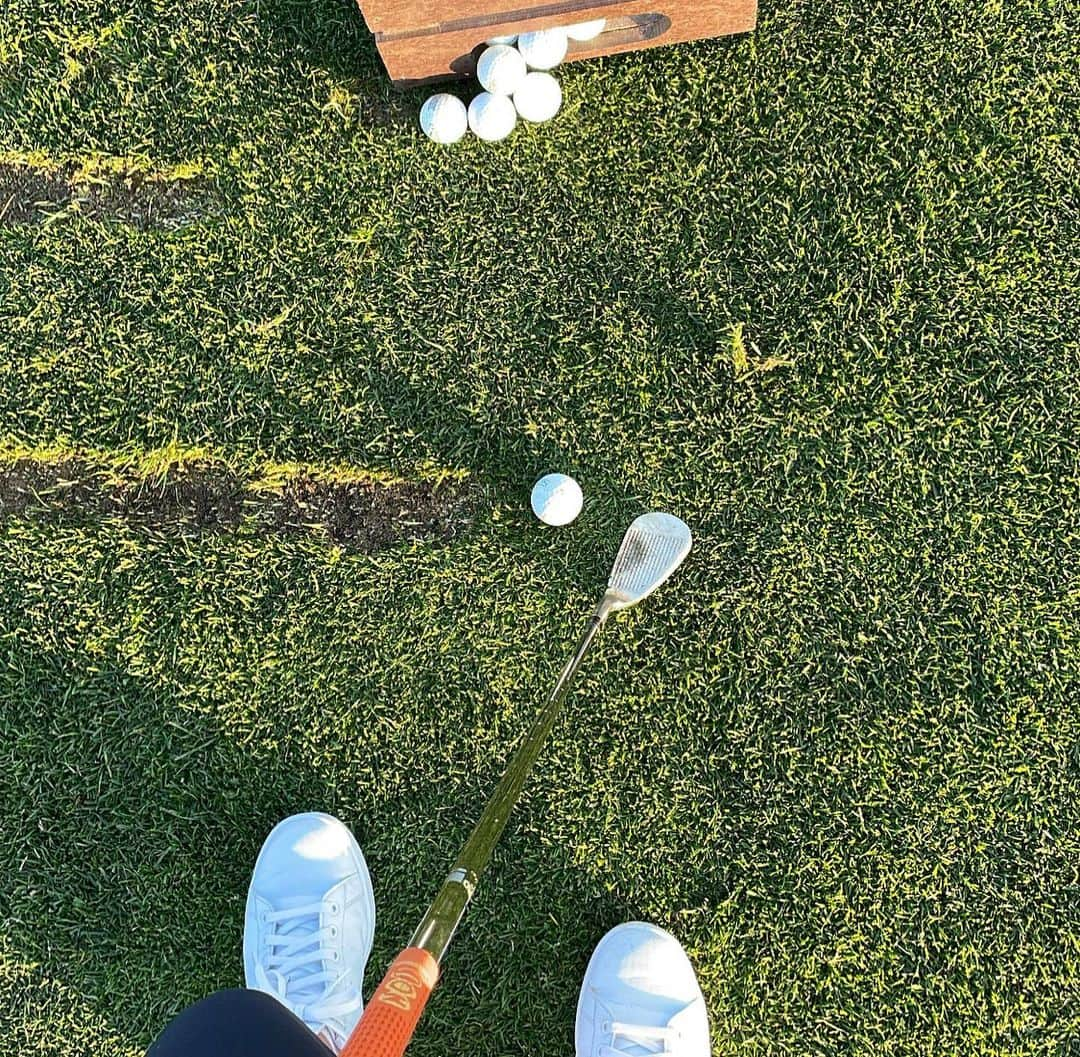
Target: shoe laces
point(299, 969)
point(637, 1040)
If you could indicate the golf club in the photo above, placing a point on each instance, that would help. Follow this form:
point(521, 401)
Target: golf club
point(652, 549)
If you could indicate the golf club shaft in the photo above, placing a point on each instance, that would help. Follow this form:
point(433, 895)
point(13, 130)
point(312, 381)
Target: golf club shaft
point(437, 928)
point(391, 1016)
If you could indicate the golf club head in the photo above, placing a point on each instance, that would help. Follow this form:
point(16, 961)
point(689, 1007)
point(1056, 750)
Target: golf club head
point(652, 549)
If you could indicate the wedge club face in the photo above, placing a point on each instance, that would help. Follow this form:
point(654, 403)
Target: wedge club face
point(654, 546)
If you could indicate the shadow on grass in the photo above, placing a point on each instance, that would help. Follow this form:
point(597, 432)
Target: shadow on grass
point(141, 820)
point(327, 34)
point(331, 35)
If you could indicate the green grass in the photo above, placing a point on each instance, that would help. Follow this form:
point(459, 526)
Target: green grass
point(814, 289)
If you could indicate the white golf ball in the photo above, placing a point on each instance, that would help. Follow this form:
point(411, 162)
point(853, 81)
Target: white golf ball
point(556, 499)
point(501, 69)
point(543, 49)
point(538, 97)
point(586, 30)
point(492, 117)
point(443, 118)
point(501, 40)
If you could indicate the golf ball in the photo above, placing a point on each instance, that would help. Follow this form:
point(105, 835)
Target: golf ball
point(492, 117)
point(501, 69)
point(501, 40)
point(543, 49)
point(443, 118)
point(538, 97)
point(556, 499)
point(586, 30)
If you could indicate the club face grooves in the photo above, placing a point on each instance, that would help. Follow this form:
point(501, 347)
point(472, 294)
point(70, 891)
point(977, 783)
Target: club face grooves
point(652, 549)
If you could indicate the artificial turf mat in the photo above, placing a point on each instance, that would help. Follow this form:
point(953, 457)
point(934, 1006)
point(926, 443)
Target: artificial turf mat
point(814, 289)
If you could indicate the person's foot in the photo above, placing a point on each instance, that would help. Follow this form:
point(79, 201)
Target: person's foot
point(640, 996)
point(310, 922)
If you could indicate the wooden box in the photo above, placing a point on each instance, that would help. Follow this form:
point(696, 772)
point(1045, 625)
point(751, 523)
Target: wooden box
point(427, 40)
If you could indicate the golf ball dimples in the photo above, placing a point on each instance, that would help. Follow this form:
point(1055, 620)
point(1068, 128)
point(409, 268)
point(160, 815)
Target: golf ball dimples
point(443, 118)
point(492, 117)
point(556, 499)
point(538, 97)
point(501, 69)
point(544, 49)
point(586, 30)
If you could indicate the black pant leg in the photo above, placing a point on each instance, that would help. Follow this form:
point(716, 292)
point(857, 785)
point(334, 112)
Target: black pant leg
point(237, 1023)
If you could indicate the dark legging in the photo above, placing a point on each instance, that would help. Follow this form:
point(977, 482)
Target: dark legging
point(237, 1024)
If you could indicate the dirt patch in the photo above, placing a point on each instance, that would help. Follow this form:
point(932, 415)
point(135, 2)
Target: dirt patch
point(362, 517)
point(28, 196)
point(369, 517)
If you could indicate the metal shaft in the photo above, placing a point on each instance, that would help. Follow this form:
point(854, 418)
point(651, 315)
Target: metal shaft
point(437, 929)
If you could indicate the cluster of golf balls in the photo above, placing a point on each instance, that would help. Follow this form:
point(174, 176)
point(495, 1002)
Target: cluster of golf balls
point(514, 73)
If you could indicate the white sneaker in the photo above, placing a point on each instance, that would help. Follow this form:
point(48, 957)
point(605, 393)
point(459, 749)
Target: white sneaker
point(310, 923)
point(640, 996)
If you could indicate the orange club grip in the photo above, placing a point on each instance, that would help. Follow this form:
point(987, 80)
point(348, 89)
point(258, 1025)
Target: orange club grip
point(391, 1016)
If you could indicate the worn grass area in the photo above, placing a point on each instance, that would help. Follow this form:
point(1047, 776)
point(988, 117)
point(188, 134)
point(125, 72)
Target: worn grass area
point(813, 289)
point(197, 494)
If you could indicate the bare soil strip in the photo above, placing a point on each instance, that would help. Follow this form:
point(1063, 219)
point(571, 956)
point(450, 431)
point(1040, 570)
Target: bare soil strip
point(30, 196)
point(360, 516)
